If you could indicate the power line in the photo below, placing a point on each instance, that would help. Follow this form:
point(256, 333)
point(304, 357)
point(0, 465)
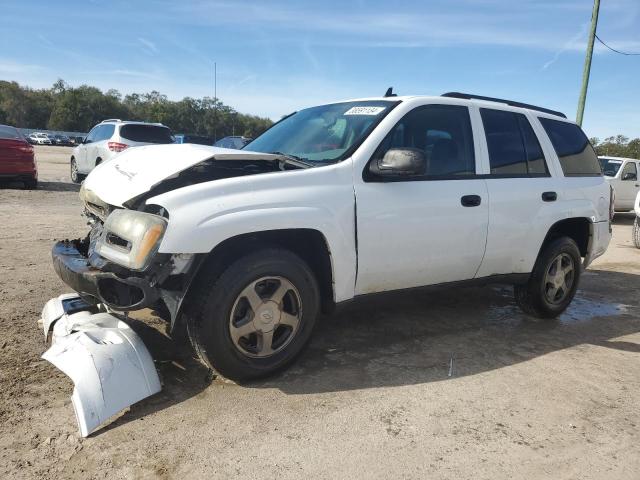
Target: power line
point(614, 50)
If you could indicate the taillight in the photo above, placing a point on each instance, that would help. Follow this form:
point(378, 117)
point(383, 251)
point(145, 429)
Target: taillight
point(26, 148)
point(116, 146)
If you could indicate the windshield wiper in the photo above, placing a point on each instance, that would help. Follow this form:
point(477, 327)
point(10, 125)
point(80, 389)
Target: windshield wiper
point(294, 160)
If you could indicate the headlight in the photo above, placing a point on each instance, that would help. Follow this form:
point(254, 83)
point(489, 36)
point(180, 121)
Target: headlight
point(130, 238)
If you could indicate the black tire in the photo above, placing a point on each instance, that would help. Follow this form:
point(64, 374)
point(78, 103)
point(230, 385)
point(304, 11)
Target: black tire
point(73, 168)
point(532, 297)
point(30, 184)
point(635, 233)
point(210, 306)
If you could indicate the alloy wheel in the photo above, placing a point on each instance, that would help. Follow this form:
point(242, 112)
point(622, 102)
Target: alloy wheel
point(559, 278)
point(265, 317)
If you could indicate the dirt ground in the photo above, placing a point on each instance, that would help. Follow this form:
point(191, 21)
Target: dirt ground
point(447, 384)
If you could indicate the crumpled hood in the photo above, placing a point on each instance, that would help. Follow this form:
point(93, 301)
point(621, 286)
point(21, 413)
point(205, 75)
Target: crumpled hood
point(138, 169)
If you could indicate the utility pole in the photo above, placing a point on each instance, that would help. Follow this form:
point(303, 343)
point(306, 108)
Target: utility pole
point(215, 102)
point(587, 62)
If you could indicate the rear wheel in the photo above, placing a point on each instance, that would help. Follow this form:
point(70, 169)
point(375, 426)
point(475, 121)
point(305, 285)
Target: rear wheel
point(636, 232)
point(553, 282)
point(75, 176)
point(256, 316)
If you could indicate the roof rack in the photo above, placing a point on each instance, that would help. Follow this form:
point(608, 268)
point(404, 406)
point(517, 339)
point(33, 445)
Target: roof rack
point(111, 120)
point(468, 96)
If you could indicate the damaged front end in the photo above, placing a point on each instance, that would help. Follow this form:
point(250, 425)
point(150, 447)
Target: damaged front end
point(109, 365)
point(115, 268)
point(118, 267)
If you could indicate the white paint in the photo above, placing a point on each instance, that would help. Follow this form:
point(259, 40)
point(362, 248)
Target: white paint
point(409, 233)
point(109, 365)
point(625, 190)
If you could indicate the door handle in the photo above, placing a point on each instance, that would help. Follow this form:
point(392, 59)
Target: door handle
point(471, 200)
point(549, 196)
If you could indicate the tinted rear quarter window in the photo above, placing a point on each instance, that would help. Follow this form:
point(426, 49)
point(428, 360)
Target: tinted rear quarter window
point(146, 133)
point(577, 156)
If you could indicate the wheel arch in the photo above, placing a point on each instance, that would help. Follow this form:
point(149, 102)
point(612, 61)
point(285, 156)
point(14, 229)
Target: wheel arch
point(579, 229)
point(309, 244)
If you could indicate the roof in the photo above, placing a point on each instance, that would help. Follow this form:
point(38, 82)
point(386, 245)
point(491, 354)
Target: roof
point(117, 120)
point(466, 99)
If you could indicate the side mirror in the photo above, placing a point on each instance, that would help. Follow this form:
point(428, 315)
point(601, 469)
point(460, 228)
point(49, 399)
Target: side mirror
point(630, 176)
point(400, 162)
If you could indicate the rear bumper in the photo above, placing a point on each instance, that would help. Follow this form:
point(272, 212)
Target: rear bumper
point(109, 365)
point(118, 292)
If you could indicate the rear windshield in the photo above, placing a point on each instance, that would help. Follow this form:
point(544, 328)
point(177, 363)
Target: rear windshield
point(146, 133)
point(10, 133)
point(610, 166)
point(576, 154)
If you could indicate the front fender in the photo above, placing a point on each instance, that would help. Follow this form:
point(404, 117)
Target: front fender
point(204, 215)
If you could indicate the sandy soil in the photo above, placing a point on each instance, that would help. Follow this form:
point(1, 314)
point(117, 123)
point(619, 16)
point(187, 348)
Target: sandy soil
point(447, 384)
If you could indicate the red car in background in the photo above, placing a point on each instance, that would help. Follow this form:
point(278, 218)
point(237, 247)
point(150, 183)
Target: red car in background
point(17, 161)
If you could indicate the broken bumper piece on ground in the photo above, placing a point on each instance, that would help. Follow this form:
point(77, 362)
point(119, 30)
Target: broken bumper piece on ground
point(109, 365)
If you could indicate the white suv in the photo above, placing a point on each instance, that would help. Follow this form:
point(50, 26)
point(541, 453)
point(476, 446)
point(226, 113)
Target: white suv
point(111, 137)
point(244, 248)
point(622, 174)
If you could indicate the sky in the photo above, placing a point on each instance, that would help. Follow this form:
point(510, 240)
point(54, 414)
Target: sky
point(274, 57)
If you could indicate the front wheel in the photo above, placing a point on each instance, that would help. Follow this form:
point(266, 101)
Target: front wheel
point(635, 233)
point(256, 316)
point(553, 282)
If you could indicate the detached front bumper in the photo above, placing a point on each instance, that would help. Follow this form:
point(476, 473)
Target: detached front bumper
point(109, 365)
point(118, 292)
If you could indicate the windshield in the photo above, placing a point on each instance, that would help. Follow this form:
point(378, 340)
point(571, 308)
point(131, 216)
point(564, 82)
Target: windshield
point(609, 166)
point(325, 133)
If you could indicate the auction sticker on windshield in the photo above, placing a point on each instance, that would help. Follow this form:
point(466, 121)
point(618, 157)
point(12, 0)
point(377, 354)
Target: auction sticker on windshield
point(364, 111)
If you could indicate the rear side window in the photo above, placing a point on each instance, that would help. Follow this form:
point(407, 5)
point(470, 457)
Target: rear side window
point(10, 133)
point(577, 157)
point(146, 133)
point(514, 149)
point(105, 132)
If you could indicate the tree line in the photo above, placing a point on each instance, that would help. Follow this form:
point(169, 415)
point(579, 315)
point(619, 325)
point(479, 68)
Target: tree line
point(617, 146)
point(78, 109)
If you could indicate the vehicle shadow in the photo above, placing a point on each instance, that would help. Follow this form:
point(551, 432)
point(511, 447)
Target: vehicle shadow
point(625, 218)
point(418, 337)
point(58, 187)
point(46, 186)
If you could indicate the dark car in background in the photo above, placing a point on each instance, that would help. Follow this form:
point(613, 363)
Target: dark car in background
point(62, 140)
point(235, 142)
point(191, 138)
point(17, 160)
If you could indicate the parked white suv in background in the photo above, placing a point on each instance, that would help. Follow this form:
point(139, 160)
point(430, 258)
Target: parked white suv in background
point(622, 174)
point(244, 248)
point(111, 137)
